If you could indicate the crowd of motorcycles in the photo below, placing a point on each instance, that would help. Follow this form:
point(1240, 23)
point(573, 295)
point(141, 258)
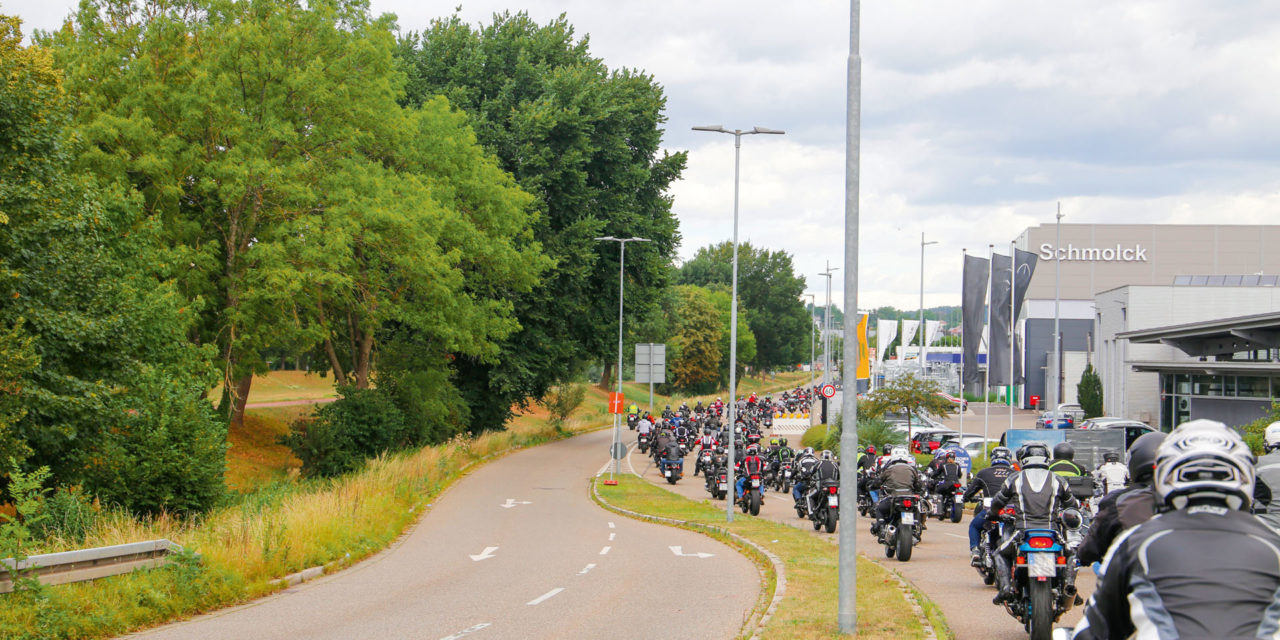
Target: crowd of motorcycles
point(759, 465)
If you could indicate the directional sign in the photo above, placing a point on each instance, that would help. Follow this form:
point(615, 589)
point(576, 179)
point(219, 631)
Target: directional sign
point(484, 555)
point(615, 403)
point(829, 390)
point(651, 363)
point(511, 502)
point(679, 551)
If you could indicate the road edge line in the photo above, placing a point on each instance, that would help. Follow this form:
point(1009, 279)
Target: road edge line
point(779, 569)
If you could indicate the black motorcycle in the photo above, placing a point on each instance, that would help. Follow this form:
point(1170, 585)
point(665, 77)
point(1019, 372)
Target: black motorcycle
point(823, 505)
point(903, 529)
point(632, 421)
point(751, 494)
point(950, 502)
point(643, 442)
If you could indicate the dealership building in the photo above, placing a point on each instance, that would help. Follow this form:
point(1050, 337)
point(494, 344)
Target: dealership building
point(1140, 302)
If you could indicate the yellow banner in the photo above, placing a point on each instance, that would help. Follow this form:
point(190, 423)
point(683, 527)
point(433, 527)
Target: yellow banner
point(864, 355)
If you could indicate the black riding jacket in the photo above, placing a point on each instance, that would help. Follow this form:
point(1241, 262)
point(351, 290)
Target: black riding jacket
point(988, 481)
point(1038, 493)
point(1107, 524)
point(1205, 571)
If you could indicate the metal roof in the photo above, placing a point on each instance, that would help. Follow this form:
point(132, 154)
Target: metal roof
point(1215, 337)
point(1210, 367)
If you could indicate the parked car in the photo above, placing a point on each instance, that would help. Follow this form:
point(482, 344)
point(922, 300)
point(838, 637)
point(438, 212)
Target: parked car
point(959, 403)
point(928, 440)
point(1132, 428)
point(1046, 421)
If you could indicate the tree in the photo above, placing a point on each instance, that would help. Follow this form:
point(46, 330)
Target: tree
point(768, 292)
point(722, 300)
point(1089, 390)
point(696, 346)
point(906, 395)
point(585, 141)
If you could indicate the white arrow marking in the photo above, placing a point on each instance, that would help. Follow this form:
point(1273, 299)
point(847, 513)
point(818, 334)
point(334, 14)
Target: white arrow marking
point(586, 569)
point(485, 555)
point(679, 552)
point(546, 596)
point(511, 502)
point(466, 632)
point(605, 551)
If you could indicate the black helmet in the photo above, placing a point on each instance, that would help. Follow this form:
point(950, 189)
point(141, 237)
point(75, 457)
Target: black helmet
point(1142, 456)
point(1033, 454)
point(1111, 456)
point(1063, 451)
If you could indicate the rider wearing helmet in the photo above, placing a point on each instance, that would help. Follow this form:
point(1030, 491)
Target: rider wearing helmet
point(1139, 501)
point(986, 483)
point(1203, 568)
point(1111, 475)
point(1266, 493)
point(1040, 495)
point(805, 463)
point(1063, 464)
point(751, 464)
point(898, 477)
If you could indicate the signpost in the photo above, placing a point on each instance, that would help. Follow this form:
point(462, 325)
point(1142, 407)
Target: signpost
point(615, 402)
point(829, 390)
point(651, 366)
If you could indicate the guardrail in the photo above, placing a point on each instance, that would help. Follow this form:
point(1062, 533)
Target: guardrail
point(89, 564)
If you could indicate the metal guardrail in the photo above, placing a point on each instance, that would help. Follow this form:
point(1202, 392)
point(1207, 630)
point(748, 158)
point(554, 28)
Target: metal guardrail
point(89, 564)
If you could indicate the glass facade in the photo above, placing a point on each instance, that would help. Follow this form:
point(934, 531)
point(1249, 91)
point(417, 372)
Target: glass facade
point(1177, 389)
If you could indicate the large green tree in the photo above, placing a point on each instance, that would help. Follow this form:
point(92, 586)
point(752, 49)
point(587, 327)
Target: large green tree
point(585, 141)
point(769, 292)
point(695, 356)
point(115, 403)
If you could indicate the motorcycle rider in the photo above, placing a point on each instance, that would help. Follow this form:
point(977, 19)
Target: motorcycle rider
point(1139, 501)
point(644, 426)
point(1202, 568)
point(985, 484)
point(948, 474)
point(805, 462)
point(1063, 464)
point(1040, 495)
point(750, 464)
point(667, 413)
point(706, 443)
point(898, 477)
point(1266, 493)
point(1111, 475)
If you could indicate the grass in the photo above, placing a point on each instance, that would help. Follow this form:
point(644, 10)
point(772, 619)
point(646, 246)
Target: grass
point(278, 526)
point(808, 610)
point(283, 386)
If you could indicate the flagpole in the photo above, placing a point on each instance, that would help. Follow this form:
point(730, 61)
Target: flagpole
point(1013, 324)
point(986, 382)
point(964, 253)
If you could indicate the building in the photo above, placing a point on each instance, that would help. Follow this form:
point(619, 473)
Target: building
point(1097, 258)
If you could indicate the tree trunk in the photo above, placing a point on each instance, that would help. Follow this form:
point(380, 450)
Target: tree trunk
point(338, 375)
point(240, 398)
point(606, 378)
point(363, 360)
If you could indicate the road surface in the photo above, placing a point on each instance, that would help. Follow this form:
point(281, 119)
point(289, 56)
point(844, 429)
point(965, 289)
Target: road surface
point(939, 566)
point(514, 550)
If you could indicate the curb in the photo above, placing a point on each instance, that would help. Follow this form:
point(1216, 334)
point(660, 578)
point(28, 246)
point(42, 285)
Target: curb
point(779, 570)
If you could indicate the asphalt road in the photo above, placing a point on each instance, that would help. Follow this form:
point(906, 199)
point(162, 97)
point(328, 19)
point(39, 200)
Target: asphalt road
point(939, 566)
point(514, 550)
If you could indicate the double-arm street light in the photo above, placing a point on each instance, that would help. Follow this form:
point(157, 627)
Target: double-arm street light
point(924, 335)
point(733, 304)
point(622, 262)
point(813, 308)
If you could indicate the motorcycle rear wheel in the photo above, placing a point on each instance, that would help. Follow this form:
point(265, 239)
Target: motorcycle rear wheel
point(755, 503)
point(956, 512)
point(1041, 618)
point(904, 543)
point(832, 519)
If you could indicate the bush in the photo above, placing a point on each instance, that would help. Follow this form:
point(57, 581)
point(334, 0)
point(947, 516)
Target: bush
point(1254, 433)
point(361, 424)
point(1089, 390)
point(815, 436)
point(561, 400)
point(69, 515)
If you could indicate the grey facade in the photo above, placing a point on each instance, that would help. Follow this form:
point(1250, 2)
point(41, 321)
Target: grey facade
point(1039, 331)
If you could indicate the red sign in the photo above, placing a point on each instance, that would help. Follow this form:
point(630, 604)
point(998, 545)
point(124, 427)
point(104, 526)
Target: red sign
point(1035, 401)
point(615, 403)
point(829, 390)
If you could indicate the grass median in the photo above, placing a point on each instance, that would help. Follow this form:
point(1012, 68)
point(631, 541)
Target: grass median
point(808, 609)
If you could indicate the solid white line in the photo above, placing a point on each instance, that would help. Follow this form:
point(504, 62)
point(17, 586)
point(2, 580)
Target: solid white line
point(629, 465)
point(586, 569)
point(611, 536)
point(956, 535)
point(466, 632)
point(546, 596)
point(605, 551)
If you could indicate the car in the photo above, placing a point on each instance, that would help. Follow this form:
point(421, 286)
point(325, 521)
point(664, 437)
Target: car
point(1133, 429)
point(928, 440)
point(1046, 421)
point(960, 403)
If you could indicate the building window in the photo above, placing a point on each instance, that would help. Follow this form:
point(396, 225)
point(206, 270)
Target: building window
point(1229, 386)
point(1182, 384)
point(1252, 387)
point(1206, 386)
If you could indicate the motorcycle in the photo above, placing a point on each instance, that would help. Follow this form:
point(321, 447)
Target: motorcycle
point(672, 470)
point(643, 443)
point(632, 421)
point(950, 502)
point(902, 531)
point(1043, 581)
point(782, 478)
point(864, 496)
point(703, 463)
point(994, 531)
point(751, 496)
point(824, 505)
point(683, 442)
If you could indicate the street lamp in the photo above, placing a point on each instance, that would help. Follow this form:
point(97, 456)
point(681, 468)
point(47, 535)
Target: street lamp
point(826, 327)
point(813, 306)
point(1057, 331)
point(923, 334)
point(733, 302)
point(622, 261)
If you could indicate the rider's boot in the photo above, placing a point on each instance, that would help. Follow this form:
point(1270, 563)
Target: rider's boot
point(1003, 581)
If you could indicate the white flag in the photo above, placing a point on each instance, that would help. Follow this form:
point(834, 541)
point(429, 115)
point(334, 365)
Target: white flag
point(932, 329)
point(908, 334)
point(886, 331)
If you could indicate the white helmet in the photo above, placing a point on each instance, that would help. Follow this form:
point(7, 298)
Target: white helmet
point(1204, 458)
point(1272, 437)
point(900, 454)
point(826, 454)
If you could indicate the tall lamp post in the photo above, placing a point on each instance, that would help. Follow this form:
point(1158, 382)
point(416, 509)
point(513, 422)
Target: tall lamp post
point(1057, 330)
point(733, 303)
point(826, 328)
point(923, 333)
point(813, 306)
point(846, 597)
point(622, 262)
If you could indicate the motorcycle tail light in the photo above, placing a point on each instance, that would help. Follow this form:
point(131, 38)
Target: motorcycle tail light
point(1040, 543)
point(1022, 559)
point(1062, 559)
point(832, 490)
point(906, 503)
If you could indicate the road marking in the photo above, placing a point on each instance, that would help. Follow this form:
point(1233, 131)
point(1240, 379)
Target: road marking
point(586, 569)
point(679, 551)
point(546, 596)
point(466, 632)
point(956, 535)
point(484, 555)
point(631, 466)
point(605, 551)
point(611, 536)
point(611, 525)
point(511, 502)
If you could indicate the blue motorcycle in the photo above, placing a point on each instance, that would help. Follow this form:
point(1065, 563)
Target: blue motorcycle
point(1043, 579)
point(672, 470)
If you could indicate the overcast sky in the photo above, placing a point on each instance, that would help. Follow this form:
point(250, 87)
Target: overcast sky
point(977, 117)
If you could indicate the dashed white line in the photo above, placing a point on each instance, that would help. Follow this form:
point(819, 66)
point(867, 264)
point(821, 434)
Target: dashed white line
point(611, 536)
point(611, 525)
point(586, 569)
point(956, 535)
point(466, 632)
point(546, 596)
point(605, 551)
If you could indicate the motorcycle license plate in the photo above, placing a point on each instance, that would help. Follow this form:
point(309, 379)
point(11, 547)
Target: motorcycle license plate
point(755, 483)
point(668, 473)
point(787, 474)
point(1042, 565)
point(986, 503)
point(909, 518)
point(833, 501)
point(723, 486)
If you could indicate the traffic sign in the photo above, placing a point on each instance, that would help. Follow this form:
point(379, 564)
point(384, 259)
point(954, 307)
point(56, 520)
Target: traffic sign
point(615, 403)
point(829, 390)
point(619, 451)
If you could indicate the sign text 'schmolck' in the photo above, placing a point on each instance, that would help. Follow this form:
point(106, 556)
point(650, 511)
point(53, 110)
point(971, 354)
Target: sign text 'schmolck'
point(1118, 253)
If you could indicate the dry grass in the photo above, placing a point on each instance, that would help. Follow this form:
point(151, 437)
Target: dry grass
point(280, 386)
point(255, 456)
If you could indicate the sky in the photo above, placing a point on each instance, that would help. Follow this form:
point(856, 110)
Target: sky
point(978, 118)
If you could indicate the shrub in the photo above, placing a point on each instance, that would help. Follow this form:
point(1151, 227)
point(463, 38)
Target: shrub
point(1089, 390)
point(361, 424)
point(69, 515)
point(1254, 433)
point(561, 400)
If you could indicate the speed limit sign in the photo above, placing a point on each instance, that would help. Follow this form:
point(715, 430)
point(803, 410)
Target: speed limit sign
point(829, 390)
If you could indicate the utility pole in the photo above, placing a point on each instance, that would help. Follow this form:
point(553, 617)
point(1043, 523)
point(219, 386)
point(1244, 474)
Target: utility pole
point(847, 570)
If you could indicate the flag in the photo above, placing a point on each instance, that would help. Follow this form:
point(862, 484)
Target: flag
point(908, 334)
point(886, 331)
point(864, 357)
point(973, 298)
point(1010, 278)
